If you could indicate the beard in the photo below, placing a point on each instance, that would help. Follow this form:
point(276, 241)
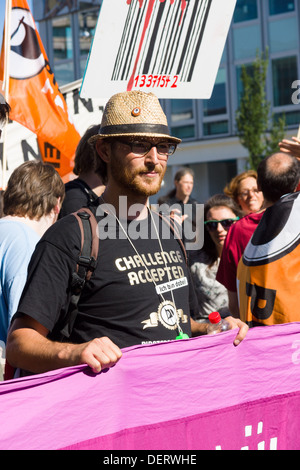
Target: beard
point(136, 180)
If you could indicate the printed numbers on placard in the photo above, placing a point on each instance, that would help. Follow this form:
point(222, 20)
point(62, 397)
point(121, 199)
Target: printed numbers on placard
point(156, 81)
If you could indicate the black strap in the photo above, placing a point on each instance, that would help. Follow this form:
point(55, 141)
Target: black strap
point(86, 264)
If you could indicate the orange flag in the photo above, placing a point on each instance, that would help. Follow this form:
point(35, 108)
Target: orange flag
point(34, 96)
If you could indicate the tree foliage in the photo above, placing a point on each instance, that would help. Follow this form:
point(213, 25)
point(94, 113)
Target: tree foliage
point(253, 117)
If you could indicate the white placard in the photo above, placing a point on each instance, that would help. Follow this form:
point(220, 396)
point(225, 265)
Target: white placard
point(172, 48)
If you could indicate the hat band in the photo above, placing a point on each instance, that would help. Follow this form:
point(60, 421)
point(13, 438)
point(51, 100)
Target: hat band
point(135, 129)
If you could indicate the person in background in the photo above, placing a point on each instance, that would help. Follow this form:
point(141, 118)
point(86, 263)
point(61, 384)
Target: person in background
point(90, 184)
point(244, 191)
point(180, 202)
point(268, 272)
point(181, 194)
point(277, 175)
point(220, 213)
point(32, 201)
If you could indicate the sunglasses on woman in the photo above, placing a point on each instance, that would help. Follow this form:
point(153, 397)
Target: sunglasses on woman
point(212, 225)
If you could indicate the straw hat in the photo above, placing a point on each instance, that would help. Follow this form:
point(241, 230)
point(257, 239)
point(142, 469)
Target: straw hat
point(134, 114)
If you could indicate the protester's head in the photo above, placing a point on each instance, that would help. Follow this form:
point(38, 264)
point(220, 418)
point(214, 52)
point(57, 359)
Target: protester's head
point(277, 175)
point(244, 191)
point(184, 183)
point(220, 213)
point(86, 158)
point(34, 190)
point(134, 141)
point(4, 111)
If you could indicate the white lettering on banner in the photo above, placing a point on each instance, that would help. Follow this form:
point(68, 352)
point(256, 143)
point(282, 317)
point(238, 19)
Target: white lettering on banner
point(261, 445)
point(296, 354)
point(172, 285)
point(22, 143)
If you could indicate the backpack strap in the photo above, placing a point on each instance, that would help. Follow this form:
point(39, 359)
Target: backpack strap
point(86, 264)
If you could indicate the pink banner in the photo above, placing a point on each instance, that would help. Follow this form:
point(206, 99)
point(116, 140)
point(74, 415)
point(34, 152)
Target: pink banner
point(201, 393)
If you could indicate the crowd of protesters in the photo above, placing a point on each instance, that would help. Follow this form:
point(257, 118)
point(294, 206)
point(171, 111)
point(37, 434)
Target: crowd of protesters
point(125, 302)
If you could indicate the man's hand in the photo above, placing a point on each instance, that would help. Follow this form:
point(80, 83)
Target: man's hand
point(29, 348)
point(99, 354)
point(243, 329)
point(201, 328)
point(291, 146)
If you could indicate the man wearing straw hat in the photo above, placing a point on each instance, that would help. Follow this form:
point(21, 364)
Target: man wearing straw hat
point(140, 291)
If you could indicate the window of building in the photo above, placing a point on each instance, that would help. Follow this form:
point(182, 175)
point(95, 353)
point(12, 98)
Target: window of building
point(246, 41)
point(285, 72)
point(239, 83)
point(245, 10)
point(181, 110)
point(215, 127)
point(63, 49)
point(52, 8)
point(277, 7)
point(215, 120)
point(87, 26)
point(292, 118)
point(84, 5)
point(183, 118)
point(283, 34)
point(217, 104)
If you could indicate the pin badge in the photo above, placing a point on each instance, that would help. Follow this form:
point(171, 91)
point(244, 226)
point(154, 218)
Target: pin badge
point(136, 112)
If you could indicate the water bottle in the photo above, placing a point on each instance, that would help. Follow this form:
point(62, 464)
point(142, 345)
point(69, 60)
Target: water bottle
point(216, 324)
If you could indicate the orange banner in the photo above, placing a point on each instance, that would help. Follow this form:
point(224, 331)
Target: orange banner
point(34, 96)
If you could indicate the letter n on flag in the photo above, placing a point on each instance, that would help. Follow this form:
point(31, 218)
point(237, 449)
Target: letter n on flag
point(34, 96)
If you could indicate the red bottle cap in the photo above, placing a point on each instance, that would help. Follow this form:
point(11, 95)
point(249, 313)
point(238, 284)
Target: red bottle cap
point(214, 317)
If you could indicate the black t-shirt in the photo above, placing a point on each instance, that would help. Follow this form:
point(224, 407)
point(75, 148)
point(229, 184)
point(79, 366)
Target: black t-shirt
point(121, 301)
point(78, 195)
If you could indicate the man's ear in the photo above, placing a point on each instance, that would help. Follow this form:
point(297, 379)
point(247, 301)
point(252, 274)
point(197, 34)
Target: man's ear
point(103, 149)
point(57, 206)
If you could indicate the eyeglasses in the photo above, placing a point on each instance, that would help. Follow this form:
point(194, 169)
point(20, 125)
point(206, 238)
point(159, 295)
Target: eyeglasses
point(212, 225)
point(246, 193)
point(164, 149)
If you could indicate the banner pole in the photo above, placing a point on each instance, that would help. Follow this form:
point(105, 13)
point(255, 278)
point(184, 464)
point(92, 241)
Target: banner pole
point(7, 23)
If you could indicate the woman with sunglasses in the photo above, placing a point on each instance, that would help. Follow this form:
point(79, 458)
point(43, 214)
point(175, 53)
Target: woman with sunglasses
point(220, 212)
